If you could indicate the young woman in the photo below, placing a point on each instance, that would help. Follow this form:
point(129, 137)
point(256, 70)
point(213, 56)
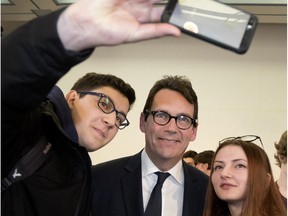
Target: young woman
point(241, 181)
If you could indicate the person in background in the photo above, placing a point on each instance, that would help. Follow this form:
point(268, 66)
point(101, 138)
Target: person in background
point(123, 187)
point(281, 161)
point(204, 160)
point(189, 157)
point(241, 181)
point(34, 58)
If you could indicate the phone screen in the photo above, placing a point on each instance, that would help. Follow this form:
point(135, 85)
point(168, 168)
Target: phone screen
point(213, 20)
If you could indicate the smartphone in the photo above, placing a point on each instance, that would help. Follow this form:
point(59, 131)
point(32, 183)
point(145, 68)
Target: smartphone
point(213, 21)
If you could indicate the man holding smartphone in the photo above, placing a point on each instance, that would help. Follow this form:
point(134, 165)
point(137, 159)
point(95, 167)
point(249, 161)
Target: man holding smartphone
point(35, 57)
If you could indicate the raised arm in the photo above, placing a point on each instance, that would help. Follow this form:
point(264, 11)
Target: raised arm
point(91, 23)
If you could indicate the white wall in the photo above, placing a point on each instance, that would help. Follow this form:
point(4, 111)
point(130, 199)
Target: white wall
point(238, 94)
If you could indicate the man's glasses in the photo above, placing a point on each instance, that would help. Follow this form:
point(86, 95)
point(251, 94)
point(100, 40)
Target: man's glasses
point(107, 106)
point(162, 118)
point(246, 138)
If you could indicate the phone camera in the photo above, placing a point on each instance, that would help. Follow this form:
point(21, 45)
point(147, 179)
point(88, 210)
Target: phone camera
point(249, 27)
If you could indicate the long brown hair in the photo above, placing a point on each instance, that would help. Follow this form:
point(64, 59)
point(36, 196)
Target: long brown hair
point(262, 195)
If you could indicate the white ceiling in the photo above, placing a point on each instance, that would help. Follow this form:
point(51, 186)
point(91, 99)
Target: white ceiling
point(21, 11)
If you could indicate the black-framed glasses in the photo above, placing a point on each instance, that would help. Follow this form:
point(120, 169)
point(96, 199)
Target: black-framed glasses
point(107, 106)
point(246, 138)
point(162, 118)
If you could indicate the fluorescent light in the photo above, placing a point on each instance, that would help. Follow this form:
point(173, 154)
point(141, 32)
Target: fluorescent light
point(64, 1)
point(248, 2)
point(254, 2)
point(6, 2)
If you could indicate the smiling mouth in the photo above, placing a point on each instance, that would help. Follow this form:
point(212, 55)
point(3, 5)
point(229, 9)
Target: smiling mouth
point(169, 140)
point(100, 132)
point(226, 186)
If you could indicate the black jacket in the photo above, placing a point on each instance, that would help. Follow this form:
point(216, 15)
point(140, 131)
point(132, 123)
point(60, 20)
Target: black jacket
point(117, 188)
point(33, 60)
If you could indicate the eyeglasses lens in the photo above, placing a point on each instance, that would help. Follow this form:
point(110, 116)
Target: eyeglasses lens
point(163, 118)
point(106, 105)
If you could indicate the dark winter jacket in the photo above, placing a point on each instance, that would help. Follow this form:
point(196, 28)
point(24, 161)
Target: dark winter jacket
point(33, 60)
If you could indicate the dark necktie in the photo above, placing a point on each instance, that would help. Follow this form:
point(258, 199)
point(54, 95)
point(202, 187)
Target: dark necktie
point(154, 205)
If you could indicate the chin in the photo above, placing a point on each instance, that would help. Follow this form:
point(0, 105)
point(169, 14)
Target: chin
point(92, 147)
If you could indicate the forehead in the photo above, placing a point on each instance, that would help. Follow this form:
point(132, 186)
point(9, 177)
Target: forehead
point(230, 153)
point(170, 100)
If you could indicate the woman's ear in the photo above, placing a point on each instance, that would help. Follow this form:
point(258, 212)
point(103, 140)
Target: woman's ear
point(268, 177)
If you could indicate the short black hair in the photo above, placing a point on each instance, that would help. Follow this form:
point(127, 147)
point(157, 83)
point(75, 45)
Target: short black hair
point(94, 80)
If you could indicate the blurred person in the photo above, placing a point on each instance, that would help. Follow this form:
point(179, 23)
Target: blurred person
point(241, 181)
point(281, 161)
point(204, 160)
point(59, 131)
point(189, 157)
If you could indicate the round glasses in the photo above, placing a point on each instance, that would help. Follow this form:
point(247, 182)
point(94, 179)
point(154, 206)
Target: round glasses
point(162, 118)
point(107, 106)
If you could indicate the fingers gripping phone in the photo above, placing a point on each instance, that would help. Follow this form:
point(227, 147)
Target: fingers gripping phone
point(213, 21)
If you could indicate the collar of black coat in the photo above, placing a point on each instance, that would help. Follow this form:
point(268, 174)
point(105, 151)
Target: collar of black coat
point(63, 112)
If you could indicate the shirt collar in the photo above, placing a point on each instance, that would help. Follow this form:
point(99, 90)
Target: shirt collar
point(148, 167)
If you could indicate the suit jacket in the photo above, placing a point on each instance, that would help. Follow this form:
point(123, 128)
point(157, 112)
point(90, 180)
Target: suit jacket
point(117, 188)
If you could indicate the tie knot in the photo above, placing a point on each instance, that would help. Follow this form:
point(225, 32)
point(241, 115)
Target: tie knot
point(161, 177)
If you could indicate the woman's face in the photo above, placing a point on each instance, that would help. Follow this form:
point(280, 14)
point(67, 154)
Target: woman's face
point(230, 174)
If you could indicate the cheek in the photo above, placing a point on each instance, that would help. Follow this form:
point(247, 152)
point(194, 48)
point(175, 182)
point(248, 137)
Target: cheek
point(151, 129)
point(85, 112)
point(214, 179)
point(79, 117)
point(150, 136)
point(244, 181)
point(187, 136)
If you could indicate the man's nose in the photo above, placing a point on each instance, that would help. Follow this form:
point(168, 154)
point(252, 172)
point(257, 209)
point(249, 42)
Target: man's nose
point(110, 119)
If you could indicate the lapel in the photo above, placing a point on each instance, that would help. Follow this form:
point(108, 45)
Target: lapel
point(191, 199)
point(132, 186)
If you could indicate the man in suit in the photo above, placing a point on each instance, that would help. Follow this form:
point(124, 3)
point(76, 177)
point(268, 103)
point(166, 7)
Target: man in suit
point(122, 187)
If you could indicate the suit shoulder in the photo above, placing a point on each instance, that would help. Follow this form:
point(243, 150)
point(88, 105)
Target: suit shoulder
point(119, 162)
point(196, 174)
point(118, 165)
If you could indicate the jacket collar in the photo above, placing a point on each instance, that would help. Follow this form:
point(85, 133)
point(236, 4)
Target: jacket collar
point(132, 186)
point(63, 112)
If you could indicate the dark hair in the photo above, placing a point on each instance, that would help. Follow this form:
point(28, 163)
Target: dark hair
point(176, 83)
point(281, 148)
point(93, 80)
point(189, 154)
point(205, 157)
point(262, 195)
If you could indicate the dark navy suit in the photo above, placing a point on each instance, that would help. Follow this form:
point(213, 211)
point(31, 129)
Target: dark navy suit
point(117, 188)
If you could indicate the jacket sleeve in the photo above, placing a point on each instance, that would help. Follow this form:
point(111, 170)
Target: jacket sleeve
point(33, 60)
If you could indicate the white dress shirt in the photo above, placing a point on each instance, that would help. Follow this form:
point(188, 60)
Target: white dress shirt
point(172, 190)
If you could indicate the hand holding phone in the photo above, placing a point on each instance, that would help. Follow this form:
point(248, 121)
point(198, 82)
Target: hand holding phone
point(213, 21)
